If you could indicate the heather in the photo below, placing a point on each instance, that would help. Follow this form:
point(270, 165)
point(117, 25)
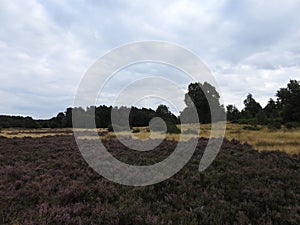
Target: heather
point(46, 181)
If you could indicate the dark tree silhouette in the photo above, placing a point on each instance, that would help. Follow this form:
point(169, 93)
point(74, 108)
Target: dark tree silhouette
point(286, 110)
point(251, 107)
point(289, 102)
point(170, 119)
point(233, 114)
point(204, 98)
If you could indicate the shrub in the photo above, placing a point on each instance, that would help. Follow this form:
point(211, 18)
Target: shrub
point(136, 130)
point(110, 128)
point(291, 125)
point(172, 128)
point(47, 181)
point(252, 121)
point(273, 125)
point(255, 128)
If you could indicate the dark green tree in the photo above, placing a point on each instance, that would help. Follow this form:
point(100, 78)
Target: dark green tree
point(233, 114)
point(251, 107)
point(271, 109)
point(170, 119)
point(68, 114)
point(103, 116)
point(140, 117)
point(204, 97)
point(289, 102)
point(30, 123)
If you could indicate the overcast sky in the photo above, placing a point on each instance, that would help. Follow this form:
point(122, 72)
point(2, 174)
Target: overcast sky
point(47, 46)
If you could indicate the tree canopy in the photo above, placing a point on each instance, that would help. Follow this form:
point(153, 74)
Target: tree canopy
point(204, 98)
point(285, 110)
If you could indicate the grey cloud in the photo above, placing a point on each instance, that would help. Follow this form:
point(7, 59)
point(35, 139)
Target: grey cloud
point(46, 46)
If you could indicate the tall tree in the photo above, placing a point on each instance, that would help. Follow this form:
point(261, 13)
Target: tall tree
point(251, 106)
point(68, 114)
point(271, 109)
point(289, 102)
point(233, 114)
point(170, 119)
point(204, 97)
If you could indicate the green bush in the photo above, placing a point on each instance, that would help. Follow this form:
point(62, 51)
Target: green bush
point(252, 121)
point(273, 125)
point(255, 128)
point(291, 125)
point(172, 128)
point(136, 130)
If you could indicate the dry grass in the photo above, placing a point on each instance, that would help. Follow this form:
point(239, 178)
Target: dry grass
point(34, 133)
point(263, 139)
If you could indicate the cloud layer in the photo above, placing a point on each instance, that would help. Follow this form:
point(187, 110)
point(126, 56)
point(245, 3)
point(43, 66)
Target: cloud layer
point(47, 46)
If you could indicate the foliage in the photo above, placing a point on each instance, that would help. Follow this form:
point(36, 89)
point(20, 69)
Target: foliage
point(205, 99)
point(274, 125)
point(289, 102)
point(137, 117)
point(18, 121)
point(286, 110)
point(251, 128)
point(136, 130)
point(233, 114)
point(252, 108)
point(291, 125)
point(164, 113)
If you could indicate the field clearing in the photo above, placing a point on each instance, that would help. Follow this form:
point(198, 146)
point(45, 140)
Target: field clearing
point(287, 140)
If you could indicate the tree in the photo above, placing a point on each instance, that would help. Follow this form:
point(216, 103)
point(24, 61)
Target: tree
point(251, 106)
point(30, 123)
point(103, 116)
point(271, 109)
point(140, 117)
point(60, 120)
point(164, 112)
point(289, 102)
point(68, 114)
point(233, 114)
point(203, 98)
point(170, 119)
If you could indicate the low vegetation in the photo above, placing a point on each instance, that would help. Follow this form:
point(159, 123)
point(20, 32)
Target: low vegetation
point(46, 181)
point(260, 137)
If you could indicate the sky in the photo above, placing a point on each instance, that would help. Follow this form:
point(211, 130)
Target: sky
point(46, 47)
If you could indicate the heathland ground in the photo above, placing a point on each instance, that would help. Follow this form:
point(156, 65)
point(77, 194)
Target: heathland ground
point(260, 137)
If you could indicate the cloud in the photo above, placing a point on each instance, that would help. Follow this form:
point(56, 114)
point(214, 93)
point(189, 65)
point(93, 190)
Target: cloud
point(47, 46)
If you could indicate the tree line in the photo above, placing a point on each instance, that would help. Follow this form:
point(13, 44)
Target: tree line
point(284, 110)
point(138, 117)
point(200, 98)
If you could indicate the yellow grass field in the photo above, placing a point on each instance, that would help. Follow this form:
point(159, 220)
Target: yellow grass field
point(287, 140)
point(262, 139)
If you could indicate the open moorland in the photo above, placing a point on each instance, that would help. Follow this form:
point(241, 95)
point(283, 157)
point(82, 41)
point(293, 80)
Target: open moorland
point(45, 180)
point(260, 137)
